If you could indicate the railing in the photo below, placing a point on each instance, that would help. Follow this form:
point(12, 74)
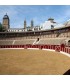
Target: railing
point(53, 47)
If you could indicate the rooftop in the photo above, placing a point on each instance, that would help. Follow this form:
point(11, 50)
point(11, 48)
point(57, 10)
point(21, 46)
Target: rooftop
point(6, 16)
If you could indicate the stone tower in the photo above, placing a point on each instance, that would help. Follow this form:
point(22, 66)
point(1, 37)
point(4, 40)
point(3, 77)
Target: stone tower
point(6, 22)
point(24, 25)
point(32, 24)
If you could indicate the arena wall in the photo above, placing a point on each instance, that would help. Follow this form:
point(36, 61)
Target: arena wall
point(52, 47)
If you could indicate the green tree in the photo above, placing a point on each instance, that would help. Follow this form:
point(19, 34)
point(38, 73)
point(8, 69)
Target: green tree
point(1, 27)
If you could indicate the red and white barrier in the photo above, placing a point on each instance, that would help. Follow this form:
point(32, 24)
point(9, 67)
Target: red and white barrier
point(53, 47)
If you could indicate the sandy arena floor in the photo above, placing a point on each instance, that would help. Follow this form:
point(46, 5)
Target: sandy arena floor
point(24, 61)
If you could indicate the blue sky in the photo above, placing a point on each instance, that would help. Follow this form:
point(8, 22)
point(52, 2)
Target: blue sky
point(38, 13)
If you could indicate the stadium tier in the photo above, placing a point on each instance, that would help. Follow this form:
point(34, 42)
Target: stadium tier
point(6, 42)
point(51, 37)
point(22, 42)
point(52, 41)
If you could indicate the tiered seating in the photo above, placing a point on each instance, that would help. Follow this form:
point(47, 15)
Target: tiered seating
point(66, 34)
point(6, 42)
point(52, 41)
point(17, 42)
point(25, 41)
point(45, 41)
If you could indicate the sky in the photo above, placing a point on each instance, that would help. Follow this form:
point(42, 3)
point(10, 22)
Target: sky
point(38, 13)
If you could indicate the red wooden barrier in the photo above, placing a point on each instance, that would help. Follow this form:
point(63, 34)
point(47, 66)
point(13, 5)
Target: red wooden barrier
point(54, 47)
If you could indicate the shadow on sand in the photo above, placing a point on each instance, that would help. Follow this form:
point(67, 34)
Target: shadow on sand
point(67, 72)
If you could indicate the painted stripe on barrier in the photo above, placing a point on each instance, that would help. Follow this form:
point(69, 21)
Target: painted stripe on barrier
point(34, 48)
point(48, 49)
point(65, 53)
point(10, 48)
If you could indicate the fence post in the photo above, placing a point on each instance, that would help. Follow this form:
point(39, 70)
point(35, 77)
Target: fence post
point(62, 47)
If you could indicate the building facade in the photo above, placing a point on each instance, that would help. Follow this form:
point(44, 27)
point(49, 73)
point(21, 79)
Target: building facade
point(6, 22)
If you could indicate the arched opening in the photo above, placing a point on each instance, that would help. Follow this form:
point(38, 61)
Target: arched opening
point(69, 43)
point(37, 39)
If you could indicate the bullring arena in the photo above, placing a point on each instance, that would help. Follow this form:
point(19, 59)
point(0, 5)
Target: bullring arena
point(35, 52)
point(23, 61)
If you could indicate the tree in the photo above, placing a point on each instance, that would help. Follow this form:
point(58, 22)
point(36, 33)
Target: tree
point(0, 27)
